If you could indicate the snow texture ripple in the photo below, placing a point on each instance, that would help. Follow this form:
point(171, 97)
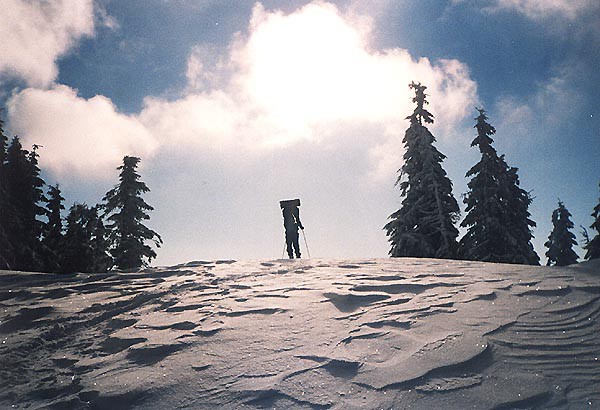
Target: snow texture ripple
point(304, 334)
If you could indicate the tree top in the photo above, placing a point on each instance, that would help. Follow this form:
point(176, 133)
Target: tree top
point(420, 114)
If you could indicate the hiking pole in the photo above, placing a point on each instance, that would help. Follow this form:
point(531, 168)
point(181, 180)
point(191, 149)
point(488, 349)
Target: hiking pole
point(283, 251)
point(305, 243)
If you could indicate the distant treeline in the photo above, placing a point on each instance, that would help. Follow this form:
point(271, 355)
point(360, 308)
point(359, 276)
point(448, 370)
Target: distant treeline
point(498, 223)
point(35, 237)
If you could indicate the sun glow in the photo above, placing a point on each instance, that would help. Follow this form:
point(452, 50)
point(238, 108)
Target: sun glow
point(310, 75)
point(313, 67)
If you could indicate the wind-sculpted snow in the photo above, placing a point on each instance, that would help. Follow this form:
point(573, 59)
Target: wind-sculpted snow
point(306, 334)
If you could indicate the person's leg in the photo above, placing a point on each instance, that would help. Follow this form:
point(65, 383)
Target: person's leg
point(296, 245)
point(289, 242)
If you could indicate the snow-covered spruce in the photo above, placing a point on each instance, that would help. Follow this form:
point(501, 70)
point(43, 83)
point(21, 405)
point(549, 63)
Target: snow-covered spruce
point(424, 225)
point(22, 185)
point(126, 210)
point(498, 220)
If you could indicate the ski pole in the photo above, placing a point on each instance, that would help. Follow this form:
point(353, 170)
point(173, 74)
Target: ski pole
point(305, 243)
point(283, 251)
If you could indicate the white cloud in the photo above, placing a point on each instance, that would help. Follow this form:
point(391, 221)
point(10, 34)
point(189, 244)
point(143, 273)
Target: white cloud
point(104, 19)
point(210, 120)
point(206, 68)
point(83, 136)
point(514, 115)
point(550, 105)
point(305, 77)
point(567, 10)
point(540, 9)
point(36, 33)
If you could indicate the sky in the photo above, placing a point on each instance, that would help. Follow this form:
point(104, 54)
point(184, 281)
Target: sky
point(235, 105)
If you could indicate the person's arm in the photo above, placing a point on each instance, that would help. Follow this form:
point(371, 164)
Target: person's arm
point(298, 219)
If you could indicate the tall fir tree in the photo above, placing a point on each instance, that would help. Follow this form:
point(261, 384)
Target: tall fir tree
point(561, 240)
point(498, 221)
point(85, 248)
point(24, 185)
point(126, 211)
point(53, 238)
point(424, 225)
point(593, 246)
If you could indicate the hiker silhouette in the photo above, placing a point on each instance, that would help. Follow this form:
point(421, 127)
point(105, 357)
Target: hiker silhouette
point(291, 222)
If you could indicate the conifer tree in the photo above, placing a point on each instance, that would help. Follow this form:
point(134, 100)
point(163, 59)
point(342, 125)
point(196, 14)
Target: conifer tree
point(424, 225)
point(593, 246)
point(519, 222)
point(85, 245)
point(77, 247)
point(101, 260)
point(53, 237)
point(126, 211)
point(561, 240)
point(3, 142)
point(497, 221)
point(24, 186)
point(8, 218)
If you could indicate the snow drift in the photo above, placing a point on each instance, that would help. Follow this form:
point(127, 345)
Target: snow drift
point(314, 334)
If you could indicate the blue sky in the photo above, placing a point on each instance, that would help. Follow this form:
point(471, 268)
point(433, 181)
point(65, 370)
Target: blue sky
point(235, 105)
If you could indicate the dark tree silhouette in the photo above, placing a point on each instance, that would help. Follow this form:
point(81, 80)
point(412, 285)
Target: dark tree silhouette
point(519, 222)
point(24, 186)
point(593, 246)
point(8, 218)
point(126, 210)
point(497, 220)
point(561, 240)
point(85, 246)
point(3, 142)
point(76, 252)
point(424, 225)
point(101, 260)
point(53, 238)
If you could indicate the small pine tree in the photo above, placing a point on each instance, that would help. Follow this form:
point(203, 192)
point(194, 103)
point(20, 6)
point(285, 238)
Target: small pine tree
point(125, 209)
point(85, 246)
point(101, 260)
point(593, 246)
point(424, 225)
point(561, 240)
point(497, 220)
point(77, 249)
point(53, 237)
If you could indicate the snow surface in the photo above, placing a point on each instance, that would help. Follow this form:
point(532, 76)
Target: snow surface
point(307, 334)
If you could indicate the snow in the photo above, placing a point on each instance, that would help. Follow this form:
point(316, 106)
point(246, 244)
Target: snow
point(315, 334)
